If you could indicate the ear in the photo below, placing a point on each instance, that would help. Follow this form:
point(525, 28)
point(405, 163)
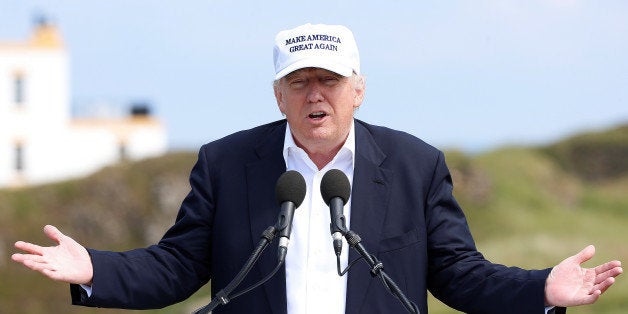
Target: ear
point(359, 96)
point(279, 97)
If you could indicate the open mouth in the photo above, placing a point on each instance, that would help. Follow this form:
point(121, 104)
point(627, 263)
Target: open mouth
point(317, 115)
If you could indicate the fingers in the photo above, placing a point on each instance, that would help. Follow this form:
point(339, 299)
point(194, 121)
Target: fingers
point(606, 278)
point(46, 269)
point(585, 255)
point(33, 262)
point(36, 261)
point(29, 247)
point(613, 265)
point(610, 269)
point(601, 287)
point(20, 258)
point(39, 264)
point(28, 257)
point(591, 298)
point(53, 233)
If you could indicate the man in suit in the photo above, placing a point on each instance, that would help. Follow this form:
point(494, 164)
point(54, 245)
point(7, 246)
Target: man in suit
point(401, 205)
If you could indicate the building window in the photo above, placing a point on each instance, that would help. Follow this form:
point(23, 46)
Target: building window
point(122, 152)
point(19, 158)
point(18, 89)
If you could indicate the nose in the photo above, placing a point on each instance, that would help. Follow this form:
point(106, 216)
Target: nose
point(314, 93)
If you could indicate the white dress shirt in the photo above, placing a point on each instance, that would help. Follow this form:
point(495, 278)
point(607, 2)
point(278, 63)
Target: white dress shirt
point(312, 281)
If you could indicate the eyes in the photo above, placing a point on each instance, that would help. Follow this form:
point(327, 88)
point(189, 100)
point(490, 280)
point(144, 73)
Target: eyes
point(298, 82)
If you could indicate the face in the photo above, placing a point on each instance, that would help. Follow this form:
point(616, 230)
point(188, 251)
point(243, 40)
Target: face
point(318, 105)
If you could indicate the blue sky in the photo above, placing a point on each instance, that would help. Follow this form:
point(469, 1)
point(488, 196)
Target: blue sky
point(459, 74)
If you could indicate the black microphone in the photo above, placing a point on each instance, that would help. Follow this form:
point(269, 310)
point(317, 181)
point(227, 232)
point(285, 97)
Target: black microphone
point(336, 189)
point(290, 192)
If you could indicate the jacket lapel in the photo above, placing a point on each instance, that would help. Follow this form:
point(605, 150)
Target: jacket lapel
point(370, 193)
point(261, 179)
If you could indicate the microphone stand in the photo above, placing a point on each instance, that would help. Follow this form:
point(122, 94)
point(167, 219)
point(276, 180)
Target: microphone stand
point(222, 297)
point(377, 269)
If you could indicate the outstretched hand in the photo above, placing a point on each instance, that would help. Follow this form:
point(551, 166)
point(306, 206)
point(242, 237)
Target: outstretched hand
point(569, 284)
point(68, 261)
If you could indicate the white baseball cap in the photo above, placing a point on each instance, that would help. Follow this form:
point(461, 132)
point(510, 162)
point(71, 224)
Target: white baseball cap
point(330, 47)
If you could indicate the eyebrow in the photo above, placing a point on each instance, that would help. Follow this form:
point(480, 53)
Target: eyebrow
point(291, 75)
point(296, 72)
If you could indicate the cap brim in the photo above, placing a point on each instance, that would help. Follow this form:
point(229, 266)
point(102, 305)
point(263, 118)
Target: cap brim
point(314, 62)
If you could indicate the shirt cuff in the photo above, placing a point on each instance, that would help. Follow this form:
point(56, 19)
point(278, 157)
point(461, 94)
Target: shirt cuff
point(88, 290)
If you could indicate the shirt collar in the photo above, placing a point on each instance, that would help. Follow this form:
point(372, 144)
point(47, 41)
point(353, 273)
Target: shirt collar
point(348, 146)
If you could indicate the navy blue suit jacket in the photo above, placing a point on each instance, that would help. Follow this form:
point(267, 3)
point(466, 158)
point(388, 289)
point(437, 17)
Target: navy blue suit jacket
point(402, 207)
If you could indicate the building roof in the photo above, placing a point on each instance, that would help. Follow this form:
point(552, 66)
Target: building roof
point(44, 36)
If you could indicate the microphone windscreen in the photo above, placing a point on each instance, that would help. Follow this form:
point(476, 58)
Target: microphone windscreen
point(290, 187)
point(335, 184)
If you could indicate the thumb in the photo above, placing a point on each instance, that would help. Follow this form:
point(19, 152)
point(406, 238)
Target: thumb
point(53, 233)
point(585, 255)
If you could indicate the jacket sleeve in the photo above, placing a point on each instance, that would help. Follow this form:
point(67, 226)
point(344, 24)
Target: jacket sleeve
point(458, 274)
point(162, 274)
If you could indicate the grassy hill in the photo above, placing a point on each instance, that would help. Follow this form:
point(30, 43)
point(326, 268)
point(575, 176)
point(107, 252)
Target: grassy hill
point(527, 206)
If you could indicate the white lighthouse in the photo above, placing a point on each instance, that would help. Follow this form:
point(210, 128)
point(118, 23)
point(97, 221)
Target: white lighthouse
point(39, 140)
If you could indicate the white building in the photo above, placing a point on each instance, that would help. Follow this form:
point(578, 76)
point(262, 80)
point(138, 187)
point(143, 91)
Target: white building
point(39, 140)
